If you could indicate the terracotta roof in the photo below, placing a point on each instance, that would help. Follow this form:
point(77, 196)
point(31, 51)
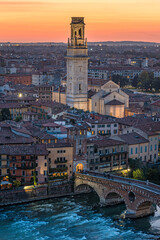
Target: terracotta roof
point(157, 103)
point(97, 82)
point(104, 142)
point(91, 93)
point(114, 102)
point(133, 138)
point(38, 149)
point(99, 121)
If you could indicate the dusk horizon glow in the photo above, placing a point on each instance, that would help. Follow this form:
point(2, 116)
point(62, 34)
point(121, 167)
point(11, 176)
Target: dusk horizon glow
point(106, 20)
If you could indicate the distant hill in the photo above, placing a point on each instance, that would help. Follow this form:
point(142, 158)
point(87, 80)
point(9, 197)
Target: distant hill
point(124, 43)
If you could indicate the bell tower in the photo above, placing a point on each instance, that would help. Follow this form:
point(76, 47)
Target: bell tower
point(77, 66)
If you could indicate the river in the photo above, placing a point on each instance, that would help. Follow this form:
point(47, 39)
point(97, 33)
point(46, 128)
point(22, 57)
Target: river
point(73, 218)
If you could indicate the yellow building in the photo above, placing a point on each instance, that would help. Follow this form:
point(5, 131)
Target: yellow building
point(4, 165)
point(60, 160)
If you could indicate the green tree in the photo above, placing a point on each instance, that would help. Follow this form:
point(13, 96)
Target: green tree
point(34, 178)
point(6, 115)
point(151, 80)
point(156, 84)
point(17, 183)
point(144, 80)
point(122, 81)
point(135, 81)
point(138, 174)
point(18, 118)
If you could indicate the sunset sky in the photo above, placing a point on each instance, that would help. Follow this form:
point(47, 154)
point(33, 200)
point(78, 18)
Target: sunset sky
point(106, 20)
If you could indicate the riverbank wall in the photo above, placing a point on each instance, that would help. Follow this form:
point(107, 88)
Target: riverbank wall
point(35, 193)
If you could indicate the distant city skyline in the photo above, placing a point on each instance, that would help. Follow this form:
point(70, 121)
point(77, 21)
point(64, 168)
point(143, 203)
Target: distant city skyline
point(106, 20)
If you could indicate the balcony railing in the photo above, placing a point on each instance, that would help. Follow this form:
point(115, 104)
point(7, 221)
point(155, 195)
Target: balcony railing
point(4, 166)
point(54, 170)
point(26, 167)
point(60, 161)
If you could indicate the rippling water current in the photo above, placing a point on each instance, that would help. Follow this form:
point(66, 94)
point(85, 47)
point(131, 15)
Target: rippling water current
point(73, 218)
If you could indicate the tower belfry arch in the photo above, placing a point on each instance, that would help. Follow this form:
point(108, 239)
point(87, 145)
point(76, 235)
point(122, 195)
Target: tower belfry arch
point(77, 66)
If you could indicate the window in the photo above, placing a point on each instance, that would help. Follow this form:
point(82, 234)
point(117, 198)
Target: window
point(80, 87)
point(113, 150)
point(115, 125)
point(141, 149)
point(151, 148)
point(93, 132)
point(45, 164)
point(155, 147)
point(122, 149)
point(145, 148)
point(115, 131)
point(131, 150)
point(136, 150)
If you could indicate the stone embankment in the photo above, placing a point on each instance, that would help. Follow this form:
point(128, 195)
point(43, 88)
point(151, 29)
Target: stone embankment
point(35, 193)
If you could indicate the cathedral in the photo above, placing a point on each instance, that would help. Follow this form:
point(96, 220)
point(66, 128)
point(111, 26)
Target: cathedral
point(75, 92)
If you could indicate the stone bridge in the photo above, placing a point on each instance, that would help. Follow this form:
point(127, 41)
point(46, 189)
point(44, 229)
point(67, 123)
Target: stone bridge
point(138, 196)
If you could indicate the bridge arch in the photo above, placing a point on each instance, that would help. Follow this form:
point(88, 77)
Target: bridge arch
point(145, 207)
point(98, 191)
point(115, 197)
point(144, 202)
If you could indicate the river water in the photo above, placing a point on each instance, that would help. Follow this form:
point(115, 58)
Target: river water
point(73, 218)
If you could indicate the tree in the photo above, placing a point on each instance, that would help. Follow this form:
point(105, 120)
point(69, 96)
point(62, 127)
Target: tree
point(123, 81)
point(138, 174)
point(17, 183)
point(144, 80)
point(135, 81)
point(18, 118)
point(34, 178)
point(6, 115)
point(151, 80)
point(156, 84)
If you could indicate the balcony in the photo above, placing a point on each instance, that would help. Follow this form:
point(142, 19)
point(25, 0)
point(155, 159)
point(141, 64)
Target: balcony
point(4, 166)
point(26, 167)
point(60, 161)
point(54, 170)
point(4, 159)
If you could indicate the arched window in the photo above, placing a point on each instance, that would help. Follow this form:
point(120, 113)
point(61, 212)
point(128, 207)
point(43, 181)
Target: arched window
point(80, 33)
point(79, 167)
